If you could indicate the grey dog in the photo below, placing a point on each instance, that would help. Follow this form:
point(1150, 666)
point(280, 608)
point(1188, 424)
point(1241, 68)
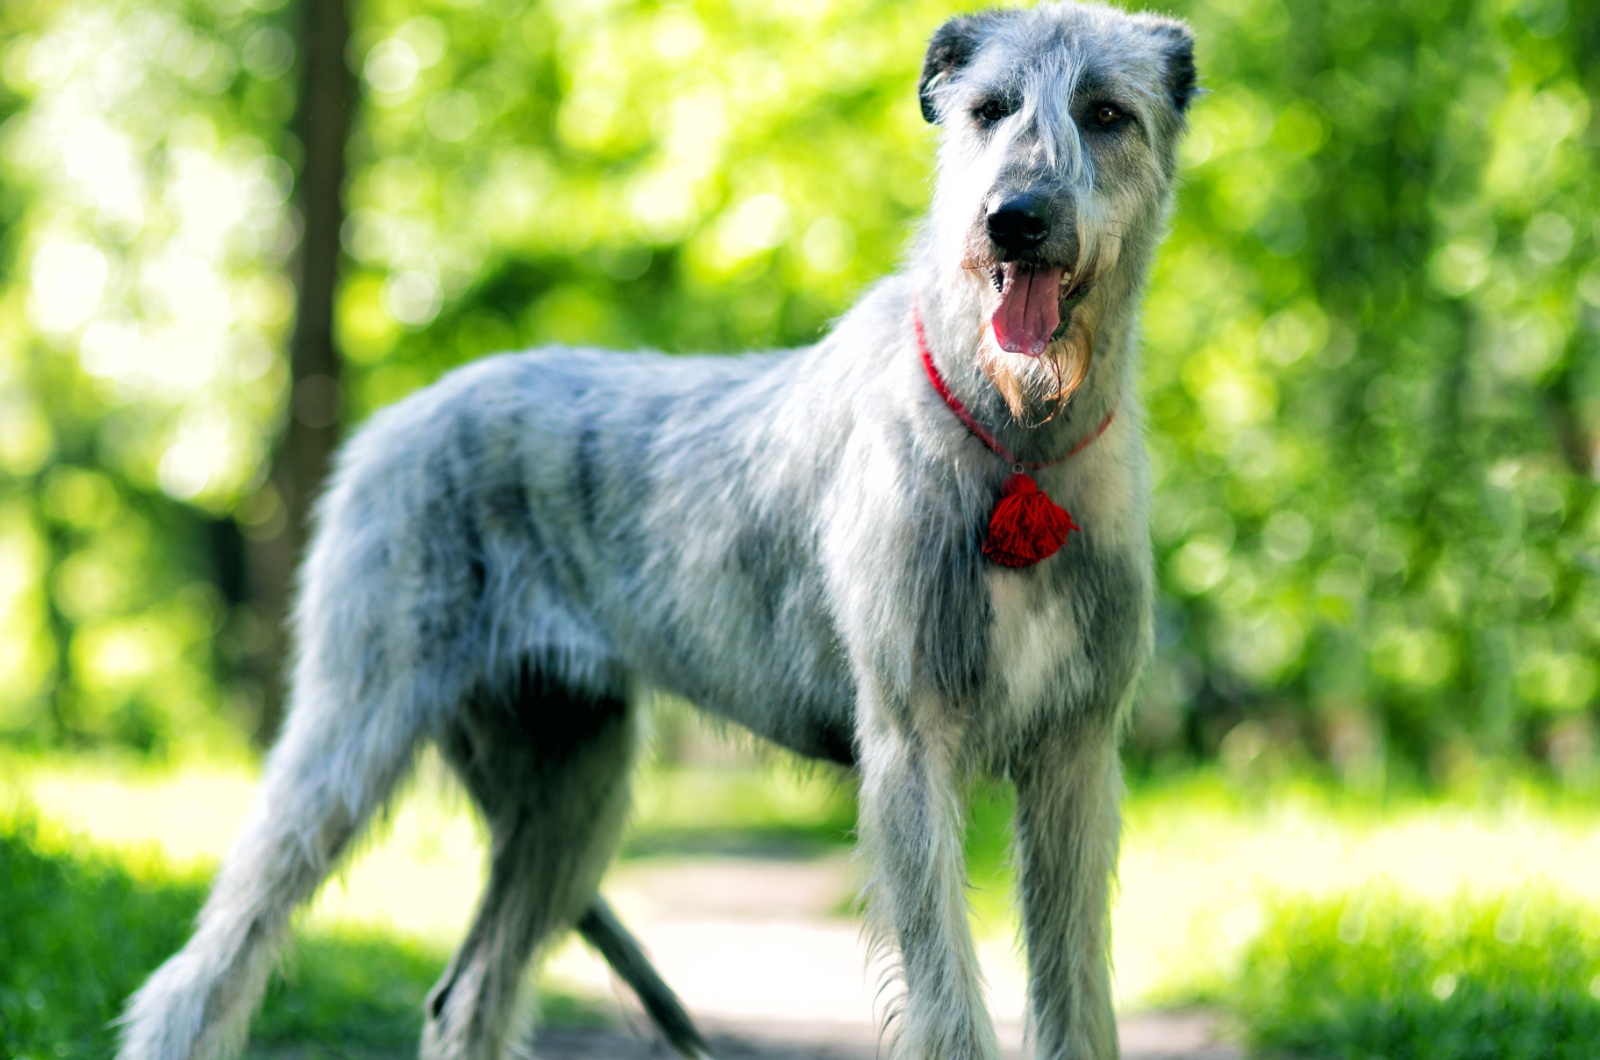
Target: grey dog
point(802, 542)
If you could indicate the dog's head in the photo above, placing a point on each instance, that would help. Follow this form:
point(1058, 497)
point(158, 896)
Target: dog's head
point(1060, 133)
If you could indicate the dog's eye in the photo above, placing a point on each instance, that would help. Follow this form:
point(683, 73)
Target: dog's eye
point(1108, 114)
point(994, 111)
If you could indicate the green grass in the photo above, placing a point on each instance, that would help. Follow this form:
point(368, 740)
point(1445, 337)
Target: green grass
point(1373, 974)
point(81, 931)
point(77, 936)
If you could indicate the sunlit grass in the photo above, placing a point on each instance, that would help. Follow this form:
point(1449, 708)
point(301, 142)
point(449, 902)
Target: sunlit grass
point(416, 878)
point(420, 869)
point(1204, 862)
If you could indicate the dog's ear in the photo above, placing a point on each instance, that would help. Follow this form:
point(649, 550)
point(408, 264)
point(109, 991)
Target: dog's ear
point(1177, 46)
point(951, 48)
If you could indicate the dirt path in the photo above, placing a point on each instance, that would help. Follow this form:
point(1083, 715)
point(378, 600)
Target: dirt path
point(1183, 1035)
point(761, 955)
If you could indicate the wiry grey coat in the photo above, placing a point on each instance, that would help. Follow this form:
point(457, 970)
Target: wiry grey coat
point(792, 541)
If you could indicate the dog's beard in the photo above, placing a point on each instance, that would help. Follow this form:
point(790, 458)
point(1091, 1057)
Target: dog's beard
point(1034, 388)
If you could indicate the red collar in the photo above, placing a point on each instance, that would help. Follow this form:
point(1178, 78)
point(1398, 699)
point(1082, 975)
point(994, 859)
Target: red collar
point(977, 429)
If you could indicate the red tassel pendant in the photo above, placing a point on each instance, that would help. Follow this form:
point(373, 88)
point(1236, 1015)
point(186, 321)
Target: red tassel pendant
point(1027, 526)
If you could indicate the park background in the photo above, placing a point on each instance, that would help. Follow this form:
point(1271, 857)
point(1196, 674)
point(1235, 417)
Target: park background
point(1364, 770)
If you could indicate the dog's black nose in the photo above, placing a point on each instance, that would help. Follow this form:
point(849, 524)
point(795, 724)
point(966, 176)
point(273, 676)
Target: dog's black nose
point(1018, 223)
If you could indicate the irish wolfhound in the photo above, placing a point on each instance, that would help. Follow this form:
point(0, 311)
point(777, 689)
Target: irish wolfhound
point(857, 550)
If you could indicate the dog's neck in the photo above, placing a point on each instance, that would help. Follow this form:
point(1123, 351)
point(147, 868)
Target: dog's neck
point(955, 325)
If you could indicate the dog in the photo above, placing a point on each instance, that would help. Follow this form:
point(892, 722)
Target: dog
point(918, 548)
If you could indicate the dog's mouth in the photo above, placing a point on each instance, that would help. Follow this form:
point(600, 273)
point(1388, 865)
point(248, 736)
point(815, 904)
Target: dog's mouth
point(1036, 304)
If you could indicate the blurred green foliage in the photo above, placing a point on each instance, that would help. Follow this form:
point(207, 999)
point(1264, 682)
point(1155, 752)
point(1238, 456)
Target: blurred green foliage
point(1367, 975)
point(142, 313)
point(1375, 387)
point(1370, 359)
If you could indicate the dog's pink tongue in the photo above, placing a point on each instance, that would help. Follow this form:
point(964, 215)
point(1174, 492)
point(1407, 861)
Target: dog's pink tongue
point(1029, 309)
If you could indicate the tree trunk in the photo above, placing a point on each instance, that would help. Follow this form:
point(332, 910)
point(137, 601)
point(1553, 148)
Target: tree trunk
point(327, 96)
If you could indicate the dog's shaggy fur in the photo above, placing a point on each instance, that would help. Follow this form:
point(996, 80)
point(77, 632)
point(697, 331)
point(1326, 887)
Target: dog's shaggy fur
point(790, 540)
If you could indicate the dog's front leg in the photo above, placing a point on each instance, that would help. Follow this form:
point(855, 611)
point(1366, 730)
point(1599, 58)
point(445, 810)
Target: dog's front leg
point(911, 828)
point(1068, 792)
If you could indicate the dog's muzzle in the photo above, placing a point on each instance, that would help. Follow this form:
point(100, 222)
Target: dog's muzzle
point(1018, 223)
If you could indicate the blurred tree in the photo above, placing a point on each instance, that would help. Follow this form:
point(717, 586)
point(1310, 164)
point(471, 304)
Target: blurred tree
point(321, 130)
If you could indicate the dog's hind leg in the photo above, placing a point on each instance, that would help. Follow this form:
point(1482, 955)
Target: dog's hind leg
point(549, 770)
point(333, 767)
point(1068, 791)
point(601, 929)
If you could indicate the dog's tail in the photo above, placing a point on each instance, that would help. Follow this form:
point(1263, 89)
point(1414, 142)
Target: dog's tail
point(601, 929)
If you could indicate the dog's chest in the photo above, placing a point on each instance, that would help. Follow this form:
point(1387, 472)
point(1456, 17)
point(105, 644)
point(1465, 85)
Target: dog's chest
point(1034, 640)
point(1071, 634)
